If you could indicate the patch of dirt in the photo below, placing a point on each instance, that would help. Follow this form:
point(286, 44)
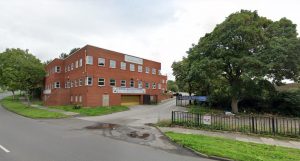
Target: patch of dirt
point(135, 134)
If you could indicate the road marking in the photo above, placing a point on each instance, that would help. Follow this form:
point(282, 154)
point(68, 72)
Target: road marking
point(4, 149)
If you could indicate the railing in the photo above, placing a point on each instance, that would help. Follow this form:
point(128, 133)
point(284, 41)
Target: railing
point(247, 124)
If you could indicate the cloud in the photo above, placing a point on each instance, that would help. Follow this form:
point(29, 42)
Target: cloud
point(158, 30)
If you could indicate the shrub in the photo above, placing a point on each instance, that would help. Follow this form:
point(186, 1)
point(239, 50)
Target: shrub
point(77, 107)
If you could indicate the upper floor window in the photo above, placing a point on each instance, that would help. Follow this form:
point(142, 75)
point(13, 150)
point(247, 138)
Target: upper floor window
point(132, 67)
point(140, 84)
point(101, 82)
point(112, 82)
point(89, 60)
point(57, 69)
point(153, 71)
point(75, 82)
point(153, 85)
point(68, 68)
point(72, 66)
point(112, 63)
point(140, 68)
point(72, 84)
point(147, 85)
point(89, 81)
point(123, 65)
point(131, 83)
point(159, 72)
point(76, 64)
point(123, 83)
point(101, 62)
point(159, 86)
point(147, 70)
point(80, 82)
point(57, 85)
point(80, 62)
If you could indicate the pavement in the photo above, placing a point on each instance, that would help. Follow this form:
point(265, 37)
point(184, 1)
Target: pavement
point(73, 139)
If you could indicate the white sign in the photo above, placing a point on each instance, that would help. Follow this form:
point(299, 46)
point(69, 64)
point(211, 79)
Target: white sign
point(133, 59)
point(207, 119)
point(47, 91)
point(129, 90)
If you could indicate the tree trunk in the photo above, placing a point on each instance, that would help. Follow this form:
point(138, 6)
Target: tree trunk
point(234, 105)
point(13, 96)
point(27, 98)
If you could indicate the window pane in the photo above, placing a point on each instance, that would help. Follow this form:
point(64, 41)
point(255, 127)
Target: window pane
point(112, 82)
point(101, 61)
point(140, 68)
point(132, 67)
point(112, 64)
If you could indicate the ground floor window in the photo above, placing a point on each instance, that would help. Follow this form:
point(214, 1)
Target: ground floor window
point(89, 81)
point(140, 84)
point(132, 83)
point(147, 85)
point(112, 82)
point(57, 84)
point(123, 83)
point(153, 85)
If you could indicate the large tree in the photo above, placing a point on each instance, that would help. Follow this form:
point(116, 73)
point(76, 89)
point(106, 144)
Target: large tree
point(20, 70)
point(246, 47)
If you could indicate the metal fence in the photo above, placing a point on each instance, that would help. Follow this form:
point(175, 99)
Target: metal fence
point(247, 124)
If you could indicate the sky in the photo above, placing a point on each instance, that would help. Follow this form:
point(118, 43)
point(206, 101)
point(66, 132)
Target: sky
point(159, 30)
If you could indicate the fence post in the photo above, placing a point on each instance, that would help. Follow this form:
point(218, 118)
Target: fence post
point(252, 118)
point(273, 126)
point(172, 117)
point(198, 119)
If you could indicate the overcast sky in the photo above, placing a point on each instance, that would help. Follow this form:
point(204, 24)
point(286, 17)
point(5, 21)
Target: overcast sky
point(160, 30)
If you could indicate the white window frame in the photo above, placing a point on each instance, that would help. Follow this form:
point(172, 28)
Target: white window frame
point(123, 83)
point(69, 68)
point(153, 71)
point(80, 62)
point(112, 64)
point(72, 66)
point(153, 85)
point(80, 98)
point(89, 60)
point(72, 84)
point(159, 86)
point(57, 85)
point(131, 83)
point(87, 81)
point(147, 70)
point(101, 81)
point(57, 69)
point(80, 82)
point(123, 66)
point(75, 83)
point(101, 62)
point(76, 98)
point(140, 68)
point(76, 64)
point(132, 67)
point(140, 84)
point(110, 82)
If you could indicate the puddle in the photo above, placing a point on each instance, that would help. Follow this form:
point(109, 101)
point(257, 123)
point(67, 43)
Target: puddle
point(134, 134)
point(102, 126)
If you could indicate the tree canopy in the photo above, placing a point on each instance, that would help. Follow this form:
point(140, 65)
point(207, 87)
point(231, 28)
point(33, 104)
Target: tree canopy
point(246, 49)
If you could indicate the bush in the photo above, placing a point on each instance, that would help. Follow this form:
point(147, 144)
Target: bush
point(164, 123)
point(77, 107)
point(287, 103)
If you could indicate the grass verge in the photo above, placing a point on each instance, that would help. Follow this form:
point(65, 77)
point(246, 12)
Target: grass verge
point(18, 107)
point(93, 111)
point(232, 149)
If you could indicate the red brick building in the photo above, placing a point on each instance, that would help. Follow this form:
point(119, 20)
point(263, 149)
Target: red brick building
point(94, 76)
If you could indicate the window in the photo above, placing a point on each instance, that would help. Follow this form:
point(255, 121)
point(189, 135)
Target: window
point(89, 81)
point(132, 67)
point(112, 82)
point(80, 98)
point(68, 84)
point(101, 62)
point(57, 84)
point(163, 81)
point(72, 84)
point(71, 98)
point(76, 98)
point(140, 84)
point(140, 68)
point(147, 85)
point(101, 82)
point(112, 63)
point(159, 72)
point(68, 68)
point(159, 86)
point(80, 62)
point(123, 83)
point(153, 85)
point(80, 82)
point(153, 71)
point(123, 65)
point(57, 69)
point(131, 83)
point(89, 60)
point(75, 82)
point(76, 64)
point(147, 69)
point(72, 66)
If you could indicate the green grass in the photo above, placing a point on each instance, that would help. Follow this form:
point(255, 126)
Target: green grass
point(37, 102)
point(237, 150)
point(18, 107)
point(92, 111)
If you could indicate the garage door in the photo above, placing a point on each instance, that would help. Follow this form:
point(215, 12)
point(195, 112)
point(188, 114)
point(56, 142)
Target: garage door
point(130, 100)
